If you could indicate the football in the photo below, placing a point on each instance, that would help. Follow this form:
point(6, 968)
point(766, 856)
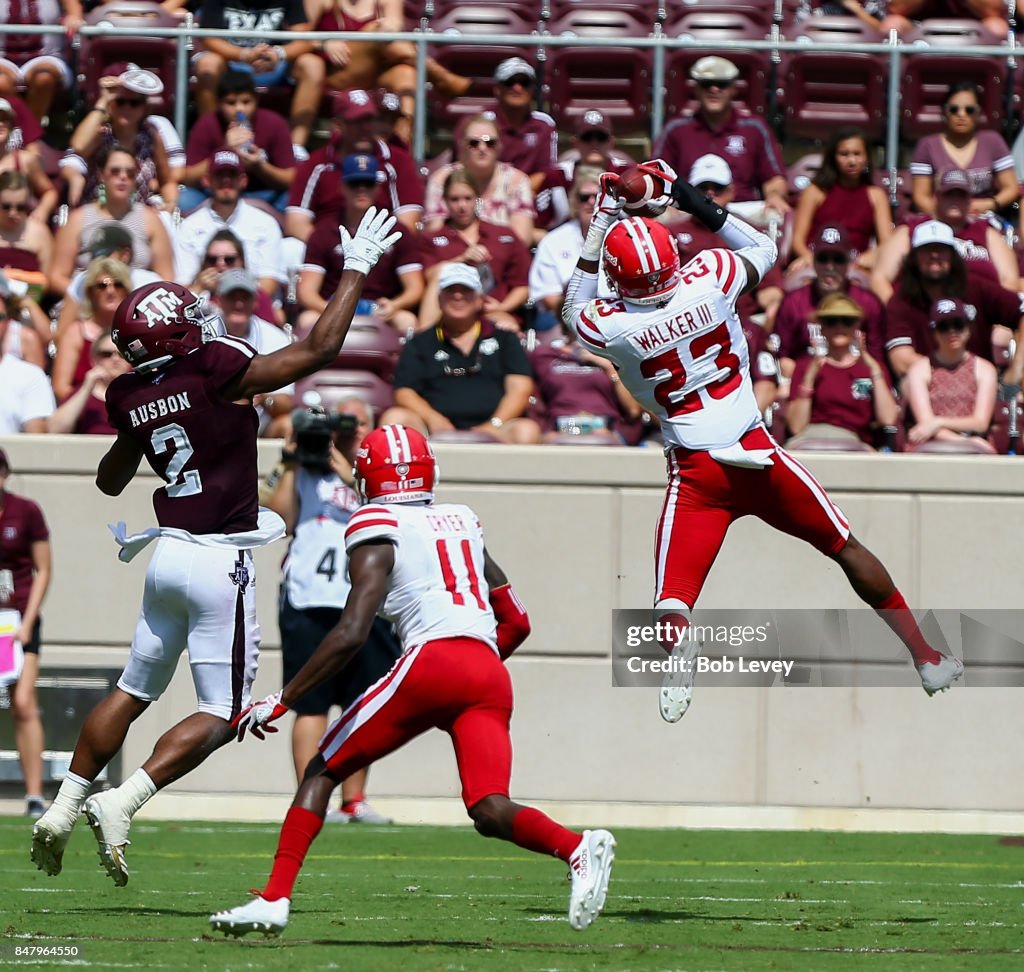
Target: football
point(636, 187)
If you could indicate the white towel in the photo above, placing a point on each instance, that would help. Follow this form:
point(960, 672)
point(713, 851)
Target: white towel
point(736, 455)
point(269, 527)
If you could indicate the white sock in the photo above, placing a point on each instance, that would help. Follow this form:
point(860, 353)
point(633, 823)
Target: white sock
point(72, 793)
point(135, 791)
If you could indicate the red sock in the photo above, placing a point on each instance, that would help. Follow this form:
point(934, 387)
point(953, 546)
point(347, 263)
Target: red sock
point(535, 831)
point(677, 624)
point(895, 613)
point(349, 806)
point(297, 833)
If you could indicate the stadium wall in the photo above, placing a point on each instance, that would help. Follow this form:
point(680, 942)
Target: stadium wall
point(574, 529)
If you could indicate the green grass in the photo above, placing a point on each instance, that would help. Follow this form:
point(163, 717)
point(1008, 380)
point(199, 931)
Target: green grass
point(424, 898)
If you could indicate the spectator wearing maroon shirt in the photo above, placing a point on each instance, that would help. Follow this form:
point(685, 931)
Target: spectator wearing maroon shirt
point(934, 269)
point(393, 288)
point(529, 138)
point(260, 138)
point(84, 411)
point(844, 393)
point(718, 128)
point(593, 144)
point(24, 579)
point(796, 328)
point(38, 63)
point(983, 248)
point(497, 253)
point(318, 193)
point(26, 132)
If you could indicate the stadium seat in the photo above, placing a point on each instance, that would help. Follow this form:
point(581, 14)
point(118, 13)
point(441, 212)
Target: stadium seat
point(830, 90)
point(759, 11)
point(831, 445)
point(927, 78)
point(966, 446)
point(156, 54)
point(752, 86)
point(478, 61)
point(370, 345)
point(335, 384)
point(614, 80)
point(646, 11)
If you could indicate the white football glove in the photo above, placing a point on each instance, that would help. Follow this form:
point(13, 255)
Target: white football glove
point(607, 210)
point(371, 241)
point(658, 205)
point(258, 716)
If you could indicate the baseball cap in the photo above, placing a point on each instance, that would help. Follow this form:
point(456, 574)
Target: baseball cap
point(226, 159)
point(460, 274)
point(593, 120)
point(388, 103)
point(932, 231)
point(830, 239)
point(6, 108)
point(140, 81)
point(714, 68)
point(354, 104)
point(949, 309)
point(711, 168)
point(512, 66)
point(359, 168)
point(838, 304)
point(109, 238)
point(954, 180)
point(236, 279)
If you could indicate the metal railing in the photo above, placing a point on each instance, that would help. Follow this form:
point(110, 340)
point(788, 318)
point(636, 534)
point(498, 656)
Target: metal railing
point(894, 51)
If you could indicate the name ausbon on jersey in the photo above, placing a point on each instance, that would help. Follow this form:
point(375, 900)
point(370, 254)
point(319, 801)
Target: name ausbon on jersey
point(686, 361)
point(437, 588)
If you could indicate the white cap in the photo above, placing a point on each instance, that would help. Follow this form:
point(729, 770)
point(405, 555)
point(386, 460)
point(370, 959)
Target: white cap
point(460, 274)
point(711, 168)
point(141, 81)
point(714, 68)
point(512, 66)
point(933, 231)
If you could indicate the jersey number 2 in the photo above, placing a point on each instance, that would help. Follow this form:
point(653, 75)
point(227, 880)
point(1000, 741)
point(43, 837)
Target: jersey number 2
point(671, 362)
point(190, 484)
point(458, 587)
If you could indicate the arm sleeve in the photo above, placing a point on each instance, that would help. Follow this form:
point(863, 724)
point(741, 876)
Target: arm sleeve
point(581, 290)
point(513, 621)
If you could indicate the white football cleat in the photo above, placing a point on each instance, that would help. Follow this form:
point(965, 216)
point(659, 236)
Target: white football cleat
point(110, 825)
point(50, 835)
point(363, 813)
point(939, 676)
point(677, 685)
point(590, 868)
point(259, 915)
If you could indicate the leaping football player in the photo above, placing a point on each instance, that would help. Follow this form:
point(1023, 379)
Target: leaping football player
point(424, 566)
point(673, 334)
point(186, 407)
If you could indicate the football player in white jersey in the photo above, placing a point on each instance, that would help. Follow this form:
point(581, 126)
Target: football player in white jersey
point(675, 337)
point(424, 566)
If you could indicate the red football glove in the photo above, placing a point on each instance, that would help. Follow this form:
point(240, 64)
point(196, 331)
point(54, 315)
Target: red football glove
point(513, 621)
point(258, 716)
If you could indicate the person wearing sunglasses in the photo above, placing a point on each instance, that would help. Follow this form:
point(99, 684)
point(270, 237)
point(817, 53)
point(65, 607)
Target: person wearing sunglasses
point(118, 203)
point(84, 411)
point(980, 152)
point(225, 251)
point(15, 158)
point(506, 197)
point(842, 393)
point(121, 116)
point(464, 374)
point(106, 283)
point(951, 393)
point(935, 269)
point(393, 288)
point(719, 128)
point(497, 253)
point(529, 138)
point(26, 245)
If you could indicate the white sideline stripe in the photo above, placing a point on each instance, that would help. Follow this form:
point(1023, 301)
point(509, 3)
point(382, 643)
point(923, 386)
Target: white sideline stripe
point(819, 494)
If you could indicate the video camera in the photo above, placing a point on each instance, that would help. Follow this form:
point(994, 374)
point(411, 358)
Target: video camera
point(314, 429)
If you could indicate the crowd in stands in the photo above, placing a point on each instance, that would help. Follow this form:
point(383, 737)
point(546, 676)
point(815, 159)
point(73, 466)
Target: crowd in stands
point(879, 328)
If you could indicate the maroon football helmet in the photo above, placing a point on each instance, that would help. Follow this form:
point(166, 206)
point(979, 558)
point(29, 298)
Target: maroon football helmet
point(641, 260)
point(158, 322)
point(395, 464)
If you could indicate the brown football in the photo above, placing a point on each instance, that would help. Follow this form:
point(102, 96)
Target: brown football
point(637, 187)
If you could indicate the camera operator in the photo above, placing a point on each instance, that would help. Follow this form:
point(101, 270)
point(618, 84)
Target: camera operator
point(313, 493)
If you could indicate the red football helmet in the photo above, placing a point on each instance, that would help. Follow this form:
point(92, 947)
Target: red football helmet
point(395, 465)
point(641, 260)
point(158, 322)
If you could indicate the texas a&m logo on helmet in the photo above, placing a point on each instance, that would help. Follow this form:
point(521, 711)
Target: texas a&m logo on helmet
point(158, 322)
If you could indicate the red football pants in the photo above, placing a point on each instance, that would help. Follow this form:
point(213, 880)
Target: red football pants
point(705, 496)
point(455, 684)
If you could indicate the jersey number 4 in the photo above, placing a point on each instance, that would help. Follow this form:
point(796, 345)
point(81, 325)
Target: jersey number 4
point(667, 392)
point(467, 582)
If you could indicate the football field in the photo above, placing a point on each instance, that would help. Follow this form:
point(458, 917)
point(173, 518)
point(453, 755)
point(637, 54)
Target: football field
point(426, 898)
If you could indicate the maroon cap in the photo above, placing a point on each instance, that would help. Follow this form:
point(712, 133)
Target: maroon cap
point(950, 309)
point(593, 120)
point(354, 104)
point(954, 180)
point(226, 158)
point(831, 239)
point(388, 103)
